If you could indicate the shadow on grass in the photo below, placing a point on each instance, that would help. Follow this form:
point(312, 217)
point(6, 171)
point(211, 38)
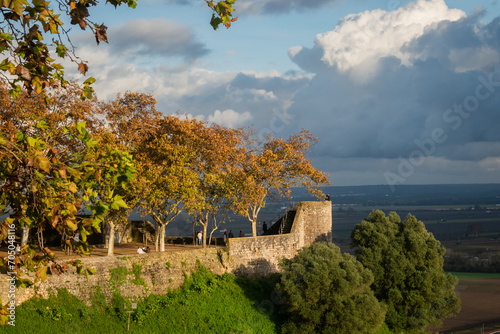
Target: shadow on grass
point(262, 289)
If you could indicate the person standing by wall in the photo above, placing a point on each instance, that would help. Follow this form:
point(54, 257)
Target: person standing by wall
point(200, 238)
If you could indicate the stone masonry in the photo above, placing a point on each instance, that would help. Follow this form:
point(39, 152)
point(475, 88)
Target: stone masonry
point(138, 275)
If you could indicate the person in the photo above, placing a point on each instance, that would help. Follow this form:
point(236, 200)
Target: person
point(241, 234)
point(200, 237)
point(140, 250)
point(264, 227)
point(147, 250)
point(327, 197)
point(225, 237)
point(231, 234)
point(77, 237)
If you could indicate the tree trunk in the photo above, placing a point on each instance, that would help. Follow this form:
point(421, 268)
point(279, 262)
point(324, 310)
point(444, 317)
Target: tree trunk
point(162, 237)
point(111, 239)
point(157, 236)
point(254, 227)
point(24, 238)
point(205, 229)
point(210, 238)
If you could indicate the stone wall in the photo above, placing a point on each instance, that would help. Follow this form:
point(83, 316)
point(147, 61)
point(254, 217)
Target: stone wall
point(133, 276)
point(258, 256)
point(141, 274)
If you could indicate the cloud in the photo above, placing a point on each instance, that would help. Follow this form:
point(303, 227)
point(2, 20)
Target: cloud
point(419, 82)
point(378, 97)
point(359, 41)
point(142, 39)
point(230, 118)
point(263, 7)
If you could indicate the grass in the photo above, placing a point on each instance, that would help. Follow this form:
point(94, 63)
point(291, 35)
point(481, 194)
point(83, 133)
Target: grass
point(206, 303)
point(475, 275)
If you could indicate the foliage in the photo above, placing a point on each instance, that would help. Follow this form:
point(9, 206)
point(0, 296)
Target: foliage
point(33, 36)
point(30, 58)
point(45, 185)
point(137, 270)
point(407, 264)
point(271, 169)
point(118, 276)
point(219, 152)
point(210, 304)
point(326, 291)
point(223, 12)
point(477, 263)
point(167, 180)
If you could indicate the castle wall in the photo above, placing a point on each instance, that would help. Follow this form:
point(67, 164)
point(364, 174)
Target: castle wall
point(154, 273)
point(141, 274)
point(259, 256)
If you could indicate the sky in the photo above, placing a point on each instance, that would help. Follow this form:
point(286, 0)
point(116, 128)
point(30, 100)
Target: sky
point(397, 92)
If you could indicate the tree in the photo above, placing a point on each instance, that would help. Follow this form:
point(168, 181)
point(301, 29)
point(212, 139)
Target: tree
point(166, 175)
point(130, 119)
point(62, 111)
point(326, 291)
point(43, 186)
point(107, 189)
point(407, 263)
point(219, 154)
point(31, 60)
point(273, 168)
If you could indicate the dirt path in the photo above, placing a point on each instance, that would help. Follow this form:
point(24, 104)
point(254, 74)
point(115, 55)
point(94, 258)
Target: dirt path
point(120, 249)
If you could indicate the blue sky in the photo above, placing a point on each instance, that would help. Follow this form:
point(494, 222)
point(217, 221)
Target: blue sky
point(398, 92)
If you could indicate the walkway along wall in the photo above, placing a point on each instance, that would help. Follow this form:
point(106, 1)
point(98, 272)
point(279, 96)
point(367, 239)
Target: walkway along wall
point(141, 274)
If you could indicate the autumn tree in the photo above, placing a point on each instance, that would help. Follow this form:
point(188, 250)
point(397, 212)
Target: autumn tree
point(42, 185)
point(33, 36)
point(130, 119)
point(220, 152)
point(271, 169)
point(407, 264)
point(166, 178)
point(326, 291)
point(64, 109)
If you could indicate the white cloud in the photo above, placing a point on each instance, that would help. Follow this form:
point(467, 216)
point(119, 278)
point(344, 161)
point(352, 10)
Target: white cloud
point(380, 83)
point(359, 41)
point(230, 118)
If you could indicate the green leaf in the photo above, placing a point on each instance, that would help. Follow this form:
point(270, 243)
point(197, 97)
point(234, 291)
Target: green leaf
point(118, 203)
point(80, 127)
point(79, 269)
point(20, 136)
point(71, 225)
point(42, 273)
point(17, 6)
point(43, 163)
point(89, 81)
point(31, 142)
point(42, 125)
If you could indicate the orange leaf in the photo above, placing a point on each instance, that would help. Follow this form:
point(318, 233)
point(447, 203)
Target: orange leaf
point(83, 68)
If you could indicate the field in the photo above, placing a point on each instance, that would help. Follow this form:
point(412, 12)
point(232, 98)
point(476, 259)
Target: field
point(480, 305)
point(452, 225)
